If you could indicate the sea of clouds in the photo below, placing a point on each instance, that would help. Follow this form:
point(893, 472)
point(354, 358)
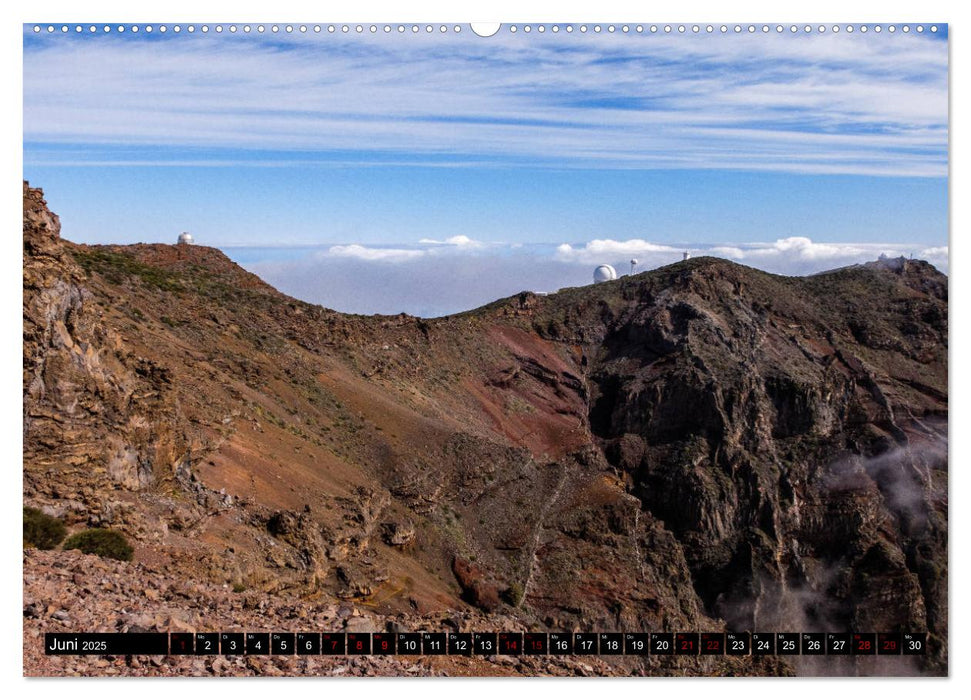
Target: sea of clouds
point(439, 277)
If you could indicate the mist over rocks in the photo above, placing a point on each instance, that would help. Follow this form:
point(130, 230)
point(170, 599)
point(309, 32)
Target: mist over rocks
point(704, 446)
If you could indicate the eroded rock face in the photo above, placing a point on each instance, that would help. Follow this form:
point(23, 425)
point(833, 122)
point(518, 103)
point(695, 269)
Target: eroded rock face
point(791, 434)
point(96, 416)
point(702, 446)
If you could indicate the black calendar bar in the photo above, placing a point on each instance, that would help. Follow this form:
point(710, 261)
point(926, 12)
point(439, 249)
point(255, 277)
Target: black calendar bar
point(105, 644)
point(488, 643)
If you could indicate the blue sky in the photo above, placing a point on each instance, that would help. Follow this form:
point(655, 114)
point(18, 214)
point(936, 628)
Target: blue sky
point(530, 156)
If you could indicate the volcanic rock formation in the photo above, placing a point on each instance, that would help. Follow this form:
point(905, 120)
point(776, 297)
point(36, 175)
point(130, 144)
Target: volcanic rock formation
point(700, 447)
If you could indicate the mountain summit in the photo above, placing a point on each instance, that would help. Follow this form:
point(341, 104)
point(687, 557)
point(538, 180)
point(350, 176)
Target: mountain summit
point(704, 446)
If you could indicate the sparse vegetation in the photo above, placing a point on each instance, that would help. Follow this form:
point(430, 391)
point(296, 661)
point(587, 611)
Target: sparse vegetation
point(41, 530)
point(514, 594)
point(110, 544)
point(116, 267)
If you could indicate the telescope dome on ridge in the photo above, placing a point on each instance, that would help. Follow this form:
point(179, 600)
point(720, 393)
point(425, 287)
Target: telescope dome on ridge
point(604, 273)
point(185, 238)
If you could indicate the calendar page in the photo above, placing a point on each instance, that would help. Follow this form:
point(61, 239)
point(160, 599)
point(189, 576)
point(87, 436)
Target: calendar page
point(449, 349)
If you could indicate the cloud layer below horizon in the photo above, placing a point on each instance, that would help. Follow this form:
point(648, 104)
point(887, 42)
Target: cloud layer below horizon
point(431, 279)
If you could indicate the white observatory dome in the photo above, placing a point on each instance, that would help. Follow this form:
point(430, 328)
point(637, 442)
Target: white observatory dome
point(604, 273)
point(185, 238)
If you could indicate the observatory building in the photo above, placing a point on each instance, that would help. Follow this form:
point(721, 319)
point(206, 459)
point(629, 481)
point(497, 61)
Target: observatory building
point(185, 238)
point(604, 273)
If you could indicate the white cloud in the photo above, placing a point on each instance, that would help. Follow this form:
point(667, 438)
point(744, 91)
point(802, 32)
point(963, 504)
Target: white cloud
point(452, 246)
point(606, 250)
point(801, 248)
point(360, 252)
point(459, 241)
point(937, 255)
point(722, 251)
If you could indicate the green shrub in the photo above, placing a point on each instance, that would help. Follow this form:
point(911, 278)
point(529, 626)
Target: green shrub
point(42, 530)
point(514, 594)
point(104, 543)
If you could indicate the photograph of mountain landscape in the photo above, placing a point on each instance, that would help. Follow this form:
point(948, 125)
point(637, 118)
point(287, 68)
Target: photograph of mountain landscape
point(537, 350)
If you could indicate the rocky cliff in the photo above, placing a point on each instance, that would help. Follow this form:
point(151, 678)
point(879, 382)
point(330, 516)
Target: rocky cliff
point(703, 446)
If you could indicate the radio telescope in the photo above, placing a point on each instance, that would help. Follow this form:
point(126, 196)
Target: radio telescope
point(604, 273)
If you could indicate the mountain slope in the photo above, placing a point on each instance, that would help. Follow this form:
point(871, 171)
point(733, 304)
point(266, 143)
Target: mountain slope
point(702, 446)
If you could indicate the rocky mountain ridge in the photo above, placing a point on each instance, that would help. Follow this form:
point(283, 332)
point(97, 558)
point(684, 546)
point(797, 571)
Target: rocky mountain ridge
point(703, 446)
